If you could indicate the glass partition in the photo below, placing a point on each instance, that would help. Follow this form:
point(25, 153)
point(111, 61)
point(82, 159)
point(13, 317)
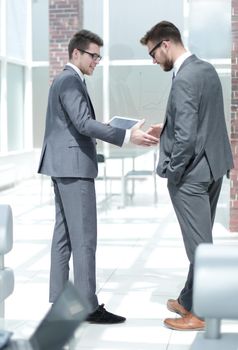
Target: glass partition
point(1, 28)
point(93, 16)
point(15, 108)
point(40, 30)
point(40, 88)
point(139, 92)
point(0, 95)
point(16, 28)
point(129, 20)
point(211, 36)
point(25, 33)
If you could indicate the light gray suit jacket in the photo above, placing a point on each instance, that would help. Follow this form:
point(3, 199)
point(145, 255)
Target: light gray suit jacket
point(194, 143)
point(69, 146)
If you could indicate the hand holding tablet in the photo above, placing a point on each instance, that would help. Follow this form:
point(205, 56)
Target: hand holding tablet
point(122, 122)
point(137, 136)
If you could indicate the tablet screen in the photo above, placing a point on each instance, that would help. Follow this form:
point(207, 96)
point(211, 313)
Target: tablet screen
point(123, 122)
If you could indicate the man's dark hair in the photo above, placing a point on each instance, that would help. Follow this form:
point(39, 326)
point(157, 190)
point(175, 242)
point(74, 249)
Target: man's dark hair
point(82, 40)
point(162, 31)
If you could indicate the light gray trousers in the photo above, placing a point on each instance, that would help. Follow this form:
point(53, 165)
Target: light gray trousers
point(75, 233)
point(195, 207)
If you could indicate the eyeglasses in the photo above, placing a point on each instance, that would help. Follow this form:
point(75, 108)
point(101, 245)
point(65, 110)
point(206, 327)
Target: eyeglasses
point(152, 52)
point(94, 56)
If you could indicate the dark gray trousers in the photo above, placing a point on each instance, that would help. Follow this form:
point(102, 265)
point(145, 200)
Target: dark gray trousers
point(75, 233)
point(195, 207)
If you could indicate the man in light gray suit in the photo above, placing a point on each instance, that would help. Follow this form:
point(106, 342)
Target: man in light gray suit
point(69, 157)
point(195, 151)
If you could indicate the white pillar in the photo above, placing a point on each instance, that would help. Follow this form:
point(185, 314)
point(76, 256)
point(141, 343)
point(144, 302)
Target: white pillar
point(28, 118)
point(106, 96)
point(3, 97)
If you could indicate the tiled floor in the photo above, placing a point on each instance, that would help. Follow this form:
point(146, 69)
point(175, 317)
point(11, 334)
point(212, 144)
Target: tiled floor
point(140, 264)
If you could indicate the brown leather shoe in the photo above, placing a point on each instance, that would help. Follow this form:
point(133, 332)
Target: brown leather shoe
point(187, 323)
point(174, 306)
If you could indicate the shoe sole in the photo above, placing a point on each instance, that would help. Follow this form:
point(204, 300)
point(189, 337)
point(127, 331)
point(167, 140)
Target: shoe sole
point(103, 323)
point(185, 330)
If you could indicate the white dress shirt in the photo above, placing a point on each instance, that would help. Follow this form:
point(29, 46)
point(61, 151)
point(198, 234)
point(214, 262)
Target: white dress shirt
point(179, 61)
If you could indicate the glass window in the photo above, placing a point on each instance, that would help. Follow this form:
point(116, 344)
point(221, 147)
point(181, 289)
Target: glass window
point(135, 92)
point(16, 28)
point(40, 30)
point(130, 20)
point(1, 29)
point(15, 106)
point(0, 95)
point(211, 36)
point(0, 81)
point(40, 88)
point(93, 16)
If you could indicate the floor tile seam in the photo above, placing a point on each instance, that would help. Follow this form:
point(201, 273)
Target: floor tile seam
point(107, 279)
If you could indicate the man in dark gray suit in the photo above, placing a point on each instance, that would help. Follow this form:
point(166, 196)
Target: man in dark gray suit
point(69, 157)
point(195, 151)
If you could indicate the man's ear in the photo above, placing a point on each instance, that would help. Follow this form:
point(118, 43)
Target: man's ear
point(166, 44)
point(75, 53)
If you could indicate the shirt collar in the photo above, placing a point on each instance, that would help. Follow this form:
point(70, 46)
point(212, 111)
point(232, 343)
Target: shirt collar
point(179, 61)
point(77, 70)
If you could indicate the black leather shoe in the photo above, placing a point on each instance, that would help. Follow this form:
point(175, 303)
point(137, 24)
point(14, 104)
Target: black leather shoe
point(102, 316)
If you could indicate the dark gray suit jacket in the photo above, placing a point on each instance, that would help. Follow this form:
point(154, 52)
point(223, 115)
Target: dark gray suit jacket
point(194, 142)
point(69, 147)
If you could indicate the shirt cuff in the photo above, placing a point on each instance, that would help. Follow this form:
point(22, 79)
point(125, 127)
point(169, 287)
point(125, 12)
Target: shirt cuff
point(127, 136)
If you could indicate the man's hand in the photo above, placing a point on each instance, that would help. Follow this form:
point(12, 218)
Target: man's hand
point(139, 137)
point(155, 130)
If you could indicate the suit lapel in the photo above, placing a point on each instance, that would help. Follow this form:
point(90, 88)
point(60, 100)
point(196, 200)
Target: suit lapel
point(88, 98)
point(188, 60)
point(83, 88)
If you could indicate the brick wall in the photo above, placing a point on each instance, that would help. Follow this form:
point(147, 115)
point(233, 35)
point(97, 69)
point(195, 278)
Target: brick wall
point(65, 18)
point(234, 120)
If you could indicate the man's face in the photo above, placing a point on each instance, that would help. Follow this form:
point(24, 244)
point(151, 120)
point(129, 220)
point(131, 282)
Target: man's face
point(86, 60)
point(160, 54)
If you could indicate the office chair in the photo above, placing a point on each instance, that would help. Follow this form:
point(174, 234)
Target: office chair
point(141, 175)
point(215, 294)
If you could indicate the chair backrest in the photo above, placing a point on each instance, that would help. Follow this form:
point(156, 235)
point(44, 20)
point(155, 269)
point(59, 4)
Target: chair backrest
point(100, 158)
point(63, 318)
point(6, 229)
point(6, 243)
point(215, 291)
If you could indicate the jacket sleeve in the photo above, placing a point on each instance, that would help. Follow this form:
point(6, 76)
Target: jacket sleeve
point(185, 101)
point(74, 103)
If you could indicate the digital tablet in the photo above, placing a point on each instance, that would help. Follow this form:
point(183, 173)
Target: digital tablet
point(123, 122)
